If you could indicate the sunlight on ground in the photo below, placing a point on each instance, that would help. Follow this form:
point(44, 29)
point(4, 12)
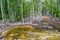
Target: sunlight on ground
point(27, 33)
point(45, 17)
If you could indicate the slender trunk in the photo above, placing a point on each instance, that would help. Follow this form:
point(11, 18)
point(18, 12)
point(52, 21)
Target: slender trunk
point(8, 10)
point(2, 11)
point(22, 13)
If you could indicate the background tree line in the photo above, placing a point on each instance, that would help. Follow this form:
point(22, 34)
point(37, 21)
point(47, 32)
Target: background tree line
point(13, 9)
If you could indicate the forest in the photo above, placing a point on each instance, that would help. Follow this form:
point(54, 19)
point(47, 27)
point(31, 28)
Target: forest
point(29, 19)
point(13, 10)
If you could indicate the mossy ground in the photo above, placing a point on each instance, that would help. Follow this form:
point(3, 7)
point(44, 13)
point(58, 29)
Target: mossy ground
point(29, 33)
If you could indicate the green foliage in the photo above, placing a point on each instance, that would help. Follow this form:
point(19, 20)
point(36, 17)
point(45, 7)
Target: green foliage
point(13, 9)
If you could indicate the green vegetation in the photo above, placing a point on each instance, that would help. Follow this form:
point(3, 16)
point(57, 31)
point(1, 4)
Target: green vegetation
point(22, 10)
point(13, 9)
